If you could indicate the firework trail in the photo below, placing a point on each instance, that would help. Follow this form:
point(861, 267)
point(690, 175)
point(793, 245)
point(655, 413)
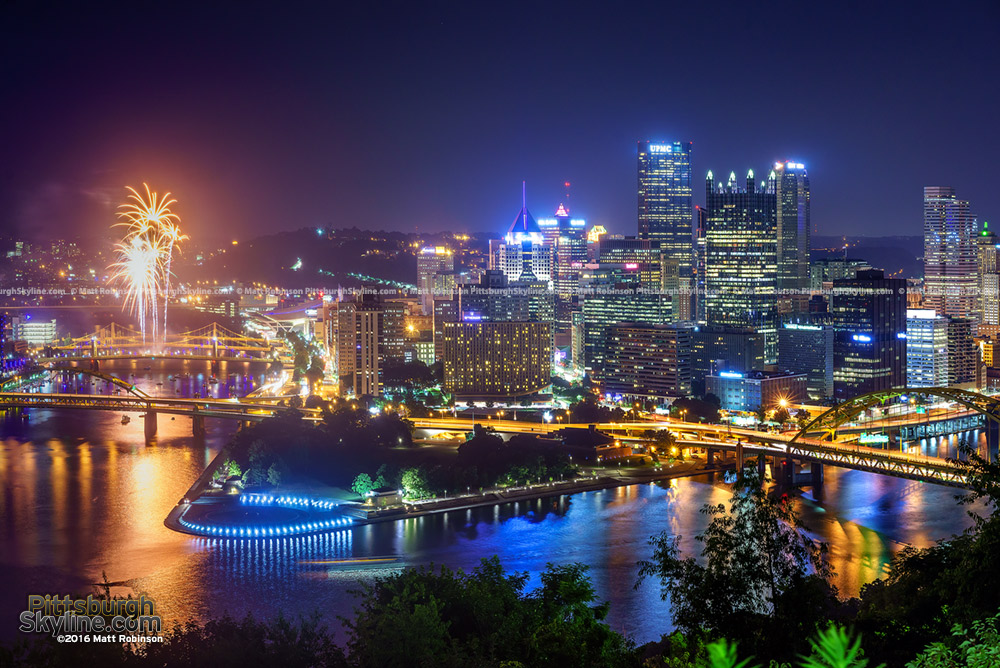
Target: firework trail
point(144, 256)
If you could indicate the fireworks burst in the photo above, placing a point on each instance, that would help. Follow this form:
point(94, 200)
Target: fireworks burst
point(144, 256)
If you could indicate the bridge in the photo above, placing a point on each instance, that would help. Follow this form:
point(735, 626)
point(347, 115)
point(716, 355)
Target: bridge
point(130, 399)
point(818, 442)
point(213, 342)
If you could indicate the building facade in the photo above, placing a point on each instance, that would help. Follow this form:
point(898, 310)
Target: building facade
point(504, 360)
point(950, 276)
point(926, 349)
point(869, 350)
point(741, 257)
point(435, 275)
point(750, 391)
point(808, 349)
point(647, 362)
point(665, 199)
point(791, 186)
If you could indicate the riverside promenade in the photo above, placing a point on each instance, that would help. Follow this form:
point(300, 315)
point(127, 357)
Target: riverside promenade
point(197, 502)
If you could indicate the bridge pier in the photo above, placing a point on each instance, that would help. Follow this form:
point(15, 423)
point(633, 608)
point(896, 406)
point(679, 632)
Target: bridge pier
point(816, 472)
point(710, 457)
point(198, 425)
point(150, 423)
point(95, 365)
point(761, 466)
point(740, 460)
point(785, 470)
point(215, 367)
point(992, 437)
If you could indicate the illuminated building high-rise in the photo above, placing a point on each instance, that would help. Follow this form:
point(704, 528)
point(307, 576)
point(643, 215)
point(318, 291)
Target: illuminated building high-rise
point(950, 278)
point(988, 276)
point(567, 237)
point(523, 251)
point(869, 346)
point(435, 275)
point(791, 187)
point(496, 359)
point(926, 349)
point(741, 257)
point(665, 204)
point(648, 362)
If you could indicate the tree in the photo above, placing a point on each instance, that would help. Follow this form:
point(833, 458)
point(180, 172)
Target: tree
point(781, 415)
point(761, 414)
point(276, 472)
point(483, 618)
point(979, 648)
point(314, 374)
point(362, 484)
point(232, 468)
point(414, 482)
point(760, 576)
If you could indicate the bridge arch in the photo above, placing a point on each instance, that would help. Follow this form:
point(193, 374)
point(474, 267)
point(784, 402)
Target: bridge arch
point(128, 387)
point(848, 411)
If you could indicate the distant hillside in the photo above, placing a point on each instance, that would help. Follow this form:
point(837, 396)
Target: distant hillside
point(899, 256)
point(320, 258)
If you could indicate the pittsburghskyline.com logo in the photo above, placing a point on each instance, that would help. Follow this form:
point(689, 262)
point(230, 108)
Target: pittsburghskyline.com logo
point(92, 619)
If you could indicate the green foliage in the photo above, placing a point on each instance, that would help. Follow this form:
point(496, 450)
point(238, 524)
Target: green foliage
point(928, 590)
point(222, 642)
point(589, 410)
point(697, 410)
point(781, 416)
point(276, 472)
point(362, 484)
point(231, 468)
point(414, 483)
point(762, 579)
point(423, 617)
point(835, 648)
point(978, 649)
point(722, 654)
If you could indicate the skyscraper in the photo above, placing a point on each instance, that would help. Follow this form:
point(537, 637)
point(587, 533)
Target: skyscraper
point(950, 277)
point(523, 253)
point(567, 237)
point(497, 359)
point(435, 275)
point(648, 362)
point(791, 187)
point(869, 346)
point(665, 204)
point(926, 349)
point(987, 268)
point(808, 349)
point(741, 257)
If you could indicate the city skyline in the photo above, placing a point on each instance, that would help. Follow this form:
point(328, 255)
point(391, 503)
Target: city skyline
point(351, 126)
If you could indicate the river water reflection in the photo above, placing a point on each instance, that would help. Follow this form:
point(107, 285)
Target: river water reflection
point(81, 495)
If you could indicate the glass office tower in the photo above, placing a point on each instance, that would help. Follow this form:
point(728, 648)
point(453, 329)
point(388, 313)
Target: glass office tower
point(665, 204)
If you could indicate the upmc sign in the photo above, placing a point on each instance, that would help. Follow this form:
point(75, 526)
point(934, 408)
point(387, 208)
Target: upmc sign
point(659, 148)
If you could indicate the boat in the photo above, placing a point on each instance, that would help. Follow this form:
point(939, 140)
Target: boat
point(126, 419)
point(213, 380)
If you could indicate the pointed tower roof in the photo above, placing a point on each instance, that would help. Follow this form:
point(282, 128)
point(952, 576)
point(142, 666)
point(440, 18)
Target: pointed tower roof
point(525, 222)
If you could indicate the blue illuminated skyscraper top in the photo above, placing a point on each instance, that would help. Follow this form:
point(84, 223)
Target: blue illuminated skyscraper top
point(665, 203)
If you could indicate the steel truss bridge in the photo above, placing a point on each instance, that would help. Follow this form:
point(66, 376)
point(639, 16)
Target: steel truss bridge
point(131, 399)
point(815, 443)
point(212, 341)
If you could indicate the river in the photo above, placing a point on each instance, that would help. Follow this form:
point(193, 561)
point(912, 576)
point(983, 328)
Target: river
point(83, 495)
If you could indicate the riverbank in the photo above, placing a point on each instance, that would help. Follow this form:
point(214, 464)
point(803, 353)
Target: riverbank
point(193, 505)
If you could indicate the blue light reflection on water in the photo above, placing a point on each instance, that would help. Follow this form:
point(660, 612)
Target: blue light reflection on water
point(80, 494)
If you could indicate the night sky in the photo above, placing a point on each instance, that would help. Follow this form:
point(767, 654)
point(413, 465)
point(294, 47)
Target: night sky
point(412, 115)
